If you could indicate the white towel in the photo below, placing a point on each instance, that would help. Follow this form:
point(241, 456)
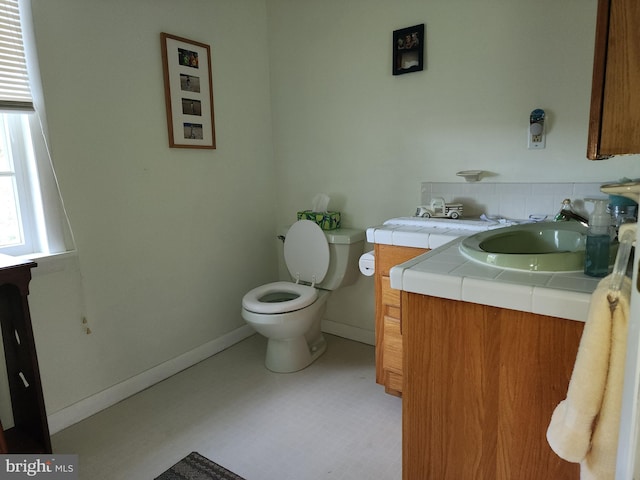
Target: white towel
point(584, 427)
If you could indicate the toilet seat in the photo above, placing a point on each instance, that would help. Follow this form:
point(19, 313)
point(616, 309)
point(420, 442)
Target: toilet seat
point(304, 296)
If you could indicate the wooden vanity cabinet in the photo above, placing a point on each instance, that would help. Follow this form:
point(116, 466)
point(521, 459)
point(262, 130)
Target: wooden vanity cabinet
point(388, 316)
point(614, 122)
point(481, 384)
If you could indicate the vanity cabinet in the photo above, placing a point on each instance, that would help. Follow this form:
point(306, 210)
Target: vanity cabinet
point(614, 122)
point(388, 316)
point(480, 386)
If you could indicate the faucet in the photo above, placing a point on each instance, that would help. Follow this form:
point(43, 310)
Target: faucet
point(566, 214)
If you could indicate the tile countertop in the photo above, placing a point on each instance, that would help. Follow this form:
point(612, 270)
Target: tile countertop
point(425, 232)
point(444, 272)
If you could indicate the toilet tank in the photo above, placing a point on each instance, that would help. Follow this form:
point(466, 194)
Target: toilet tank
point(345, 247)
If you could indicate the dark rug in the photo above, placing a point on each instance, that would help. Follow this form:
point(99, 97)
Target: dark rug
point(196, 467)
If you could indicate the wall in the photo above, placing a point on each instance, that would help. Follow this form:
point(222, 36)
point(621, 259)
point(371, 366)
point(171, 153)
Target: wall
point(168, 239)
point(343, 125)
point(522, 200)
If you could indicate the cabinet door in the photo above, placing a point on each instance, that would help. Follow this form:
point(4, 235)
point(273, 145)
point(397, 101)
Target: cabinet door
point(614, 123)
point(450, 394)
point(480, 386)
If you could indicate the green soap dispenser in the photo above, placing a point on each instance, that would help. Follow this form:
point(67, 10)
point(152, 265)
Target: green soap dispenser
point(596, 255)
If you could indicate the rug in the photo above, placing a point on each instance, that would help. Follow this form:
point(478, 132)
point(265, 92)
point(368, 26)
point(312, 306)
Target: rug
point(196, 467)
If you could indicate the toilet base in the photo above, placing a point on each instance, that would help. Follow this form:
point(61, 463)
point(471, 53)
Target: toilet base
point(293, 354)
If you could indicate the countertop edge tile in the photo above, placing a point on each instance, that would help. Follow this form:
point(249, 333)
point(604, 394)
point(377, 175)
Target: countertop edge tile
point(511, 296)
point(416, 239)
point(433, 284)
point(561, 303)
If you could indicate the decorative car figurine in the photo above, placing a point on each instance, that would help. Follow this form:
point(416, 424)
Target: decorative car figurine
point(438, 208)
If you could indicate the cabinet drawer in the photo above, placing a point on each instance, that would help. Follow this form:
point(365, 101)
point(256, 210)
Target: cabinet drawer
point(392, 345)
point(391, 311)
point(389, 295)
point(393, 383)
point(388, 256)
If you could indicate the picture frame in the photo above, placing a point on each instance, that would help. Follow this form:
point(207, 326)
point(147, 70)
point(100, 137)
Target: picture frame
point(188, 87)
point(408, 49)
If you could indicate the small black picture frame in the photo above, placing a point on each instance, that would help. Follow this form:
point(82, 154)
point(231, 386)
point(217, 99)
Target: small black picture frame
point(408, 50)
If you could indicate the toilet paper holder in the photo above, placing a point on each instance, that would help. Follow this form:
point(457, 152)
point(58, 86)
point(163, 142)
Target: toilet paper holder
point(367, 264)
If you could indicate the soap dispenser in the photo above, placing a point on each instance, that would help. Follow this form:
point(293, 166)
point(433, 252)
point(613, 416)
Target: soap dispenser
point(596, 255)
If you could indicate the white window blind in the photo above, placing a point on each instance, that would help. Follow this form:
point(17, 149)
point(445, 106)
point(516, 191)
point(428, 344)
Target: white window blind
point(15, 93)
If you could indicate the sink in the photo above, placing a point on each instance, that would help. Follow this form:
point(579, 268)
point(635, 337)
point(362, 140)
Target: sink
point(538, 247)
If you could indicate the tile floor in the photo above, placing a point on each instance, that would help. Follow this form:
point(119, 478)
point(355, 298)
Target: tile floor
point(328, 421)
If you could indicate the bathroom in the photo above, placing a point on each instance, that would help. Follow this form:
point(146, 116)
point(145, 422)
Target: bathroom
point(169, 240)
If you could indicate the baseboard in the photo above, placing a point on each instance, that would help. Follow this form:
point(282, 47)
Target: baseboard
point(112, 395)
point(350, 332)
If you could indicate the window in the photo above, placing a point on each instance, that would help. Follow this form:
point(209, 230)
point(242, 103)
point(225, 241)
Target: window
point(18, 219)
point(25, 167)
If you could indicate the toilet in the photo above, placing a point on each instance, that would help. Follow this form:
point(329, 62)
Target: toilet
point(289, 313)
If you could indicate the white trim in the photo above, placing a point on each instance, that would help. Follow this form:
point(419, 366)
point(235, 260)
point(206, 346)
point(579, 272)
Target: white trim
point(349, 332)
point(112, 395)
point(628, 461)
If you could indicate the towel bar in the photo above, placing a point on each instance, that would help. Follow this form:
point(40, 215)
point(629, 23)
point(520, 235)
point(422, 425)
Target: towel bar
point(627, 239)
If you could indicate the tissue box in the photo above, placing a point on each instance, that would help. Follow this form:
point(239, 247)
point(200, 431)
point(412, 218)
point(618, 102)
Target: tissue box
point(326, 220)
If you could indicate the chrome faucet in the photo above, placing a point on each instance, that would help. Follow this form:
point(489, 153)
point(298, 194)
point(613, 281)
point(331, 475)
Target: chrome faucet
point(566, 214)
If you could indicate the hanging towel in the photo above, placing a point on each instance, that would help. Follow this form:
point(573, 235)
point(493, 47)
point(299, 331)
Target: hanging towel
point(584, 426)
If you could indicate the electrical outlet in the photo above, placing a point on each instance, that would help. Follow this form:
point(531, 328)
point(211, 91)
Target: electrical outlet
point(536, 134)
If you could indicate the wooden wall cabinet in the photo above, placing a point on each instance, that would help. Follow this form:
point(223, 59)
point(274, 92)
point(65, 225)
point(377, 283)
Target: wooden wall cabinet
point(614, 122)
point(388, 316)
point(480, 387)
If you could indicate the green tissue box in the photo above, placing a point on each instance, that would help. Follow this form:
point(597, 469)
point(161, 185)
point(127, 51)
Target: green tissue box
point(326, 220)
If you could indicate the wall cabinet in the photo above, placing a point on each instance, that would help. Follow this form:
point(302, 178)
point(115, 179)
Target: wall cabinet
point(614, 122)
point(388, 316)
point(480, 386)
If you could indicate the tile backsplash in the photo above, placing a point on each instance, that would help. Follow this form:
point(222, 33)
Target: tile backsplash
point(513, 200)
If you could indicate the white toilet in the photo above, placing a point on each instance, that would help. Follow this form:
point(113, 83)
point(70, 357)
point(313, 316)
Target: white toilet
point(289, 314)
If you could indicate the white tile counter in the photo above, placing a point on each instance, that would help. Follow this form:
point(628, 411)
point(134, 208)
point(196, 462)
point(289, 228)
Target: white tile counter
point(425, 232)
point(445, 272)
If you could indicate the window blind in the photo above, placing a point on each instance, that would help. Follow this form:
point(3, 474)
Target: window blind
point(15, 93)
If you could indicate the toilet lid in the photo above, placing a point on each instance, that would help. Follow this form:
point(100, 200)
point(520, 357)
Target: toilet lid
point(306, 252)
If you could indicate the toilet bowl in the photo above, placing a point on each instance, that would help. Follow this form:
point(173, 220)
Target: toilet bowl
point(294, 338)
point(288, 313)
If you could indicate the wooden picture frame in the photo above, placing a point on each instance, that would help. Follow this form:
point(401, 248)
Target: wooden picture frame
point(188, 89)
point(408, 50)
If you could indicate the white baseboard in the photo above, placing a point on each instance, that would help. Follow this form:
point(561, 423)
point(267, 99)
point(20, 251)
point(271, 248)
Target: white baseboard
point(112, 395)
point(347, 331)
